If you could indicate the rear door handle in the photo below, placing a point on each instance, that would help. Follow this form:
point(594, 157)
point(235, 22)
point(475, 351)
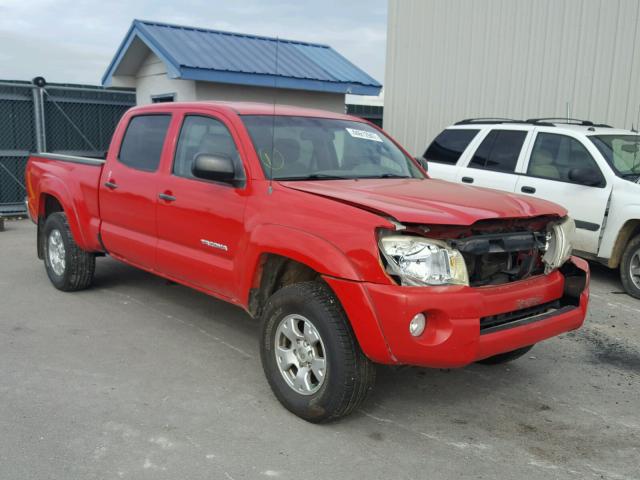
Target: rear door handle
point(167, 197)
point(111, 185)
point(526, 189)
point(467, 179)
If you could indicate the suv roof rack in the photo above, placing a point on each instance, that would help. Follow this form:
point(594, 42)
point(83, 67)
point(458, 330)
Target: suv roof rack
point(546, 122)
point(487, 120)
point(492, 121)
point(568, 121)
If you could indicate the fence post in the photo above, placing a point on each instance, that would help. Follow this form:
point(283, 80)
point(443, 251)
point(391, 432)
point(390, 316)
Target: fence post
point(38, 118)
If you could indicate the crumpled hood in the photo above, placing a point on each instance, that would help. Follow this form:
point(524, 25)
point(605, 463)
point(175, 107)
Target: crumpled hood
point(428, 201)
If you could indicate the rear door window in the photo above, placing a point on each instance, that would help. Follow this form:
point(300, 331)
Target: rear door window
point(143, 141)
point(449, 145)
point(499, 151)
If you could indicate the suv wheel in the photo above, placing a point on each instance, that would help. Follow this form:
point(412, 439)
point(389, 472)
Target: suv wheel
point(68, 266)
point(630, 268)
point(310, 355)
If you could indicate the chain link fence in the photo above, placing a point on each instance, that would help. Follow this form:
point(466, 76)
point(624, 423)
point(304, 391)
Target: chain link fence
point(17, 139)
point(67, 119)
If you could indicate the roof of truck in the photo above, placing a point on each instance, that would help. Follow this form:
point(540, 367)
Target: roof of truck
point(248, 108)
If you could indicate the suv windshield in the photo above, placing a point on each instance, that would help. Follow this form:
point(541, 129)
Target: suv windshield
point(621, 151)
point(305, 148)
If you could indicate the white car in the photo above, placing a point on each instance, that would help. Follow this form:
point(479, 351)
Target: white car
point(592, 170)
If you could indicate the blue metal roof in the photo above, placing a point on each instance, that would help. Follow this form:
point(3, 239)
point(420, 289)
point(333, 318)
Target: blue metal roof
point(224, 57)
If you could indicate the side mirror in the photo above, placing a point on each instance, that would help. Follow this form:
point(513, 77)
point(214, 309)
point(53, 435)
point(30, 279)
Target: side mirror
point(585, 176)
point(423, 163)
point(213, 167)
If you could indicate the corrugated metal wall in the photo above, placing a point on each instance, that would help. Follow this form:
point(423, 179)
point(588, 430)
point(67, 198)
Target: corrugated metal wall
point(453, 59)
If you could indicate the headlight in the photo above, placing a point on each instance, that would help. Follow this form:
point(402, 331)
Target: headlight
point(559, 244)
point(420, 261)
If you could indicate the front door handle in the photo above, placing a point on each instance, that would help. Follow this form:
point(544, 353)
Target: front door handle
point(526, 189)
point(111, 185)
point(467, 179)
point(167, 197)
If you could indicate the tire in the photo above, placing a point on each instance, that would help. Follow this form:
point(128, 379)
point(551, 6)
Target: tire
point(348, 375)
point(506, 357)
point(68, 266)
point(630, 267)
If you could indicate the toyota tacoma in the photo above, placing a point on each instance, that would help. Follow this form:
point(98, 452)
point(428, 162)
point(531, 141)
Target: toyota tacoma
point(323, 228)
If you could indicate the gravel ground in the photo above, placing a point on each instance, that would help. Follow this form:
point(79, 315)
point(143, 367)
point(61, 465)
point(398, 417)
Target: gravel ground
point(139, 378)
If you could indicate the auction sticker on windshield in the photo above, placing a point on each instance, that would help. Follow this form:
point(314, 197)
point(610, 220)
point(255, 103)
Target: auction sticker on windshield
point(364, 134)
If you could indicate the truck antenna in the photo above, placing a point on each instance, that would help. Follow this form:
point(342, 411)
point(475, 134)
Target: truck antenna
point(273, 121)
point(635, 129)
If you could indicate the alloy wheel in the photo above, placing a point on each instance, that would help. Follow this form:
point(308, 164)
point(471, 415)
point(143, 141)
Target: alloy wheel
point(300, 354)
point(56, 252)
point(634, 268)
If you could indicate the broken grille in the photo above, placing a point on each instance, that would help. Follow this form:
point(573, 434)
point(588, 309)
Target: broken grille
point(494, 259)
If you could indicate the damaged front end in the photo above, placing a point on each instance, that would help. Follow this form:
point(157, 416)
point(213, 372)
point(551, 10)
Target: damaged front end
point(491, 252)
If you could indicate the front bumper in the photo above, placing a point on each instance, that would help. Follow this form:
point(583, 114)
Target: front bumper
point(512, 316)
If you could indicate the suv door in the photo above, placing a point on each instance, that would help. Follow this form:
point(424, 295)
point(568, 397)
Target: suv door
point(496, 160)
point(128, 191)
point(446, 150)
point(201, 222)
point(553, 156)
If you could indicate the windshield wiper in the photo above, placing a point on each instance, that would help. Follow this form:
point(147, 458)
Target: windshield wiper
point(326, 176)
point(388, 175)
point(316, 176)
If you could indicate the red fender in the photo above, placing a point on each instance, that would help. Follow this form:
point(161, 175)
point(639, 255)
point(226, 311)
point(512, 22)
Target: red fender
point(306, 248)
point(81, 222)
point(326, 259)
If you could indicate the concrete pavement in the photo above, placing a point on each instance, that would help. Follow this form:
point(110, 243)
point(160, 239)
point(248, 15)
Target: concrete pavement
point(140, 378)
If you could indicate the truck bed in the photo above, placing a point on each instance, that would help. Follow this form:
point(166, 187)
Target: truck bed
point(70, 182)
point(69, 158)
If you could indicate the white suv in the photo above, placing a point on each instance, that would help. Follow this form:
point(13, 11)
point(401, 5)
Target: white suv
point(592, 170)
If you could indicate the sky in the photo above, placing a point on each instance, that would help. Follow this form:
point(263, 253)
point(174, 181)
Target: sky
point(74, 41)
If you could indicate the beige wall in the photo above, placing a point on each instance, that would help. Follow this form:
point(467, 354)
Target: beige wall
point(218, 91)
point(151, 79)
point(453, 59)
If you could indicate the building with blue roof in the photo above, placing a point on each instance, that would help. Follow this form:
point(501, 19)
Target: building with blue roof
point(165, 62)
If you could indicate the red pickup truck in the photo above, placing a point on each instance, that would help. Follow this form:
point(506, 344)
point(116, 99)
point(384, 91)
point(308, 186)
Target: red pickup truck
point(325, 229)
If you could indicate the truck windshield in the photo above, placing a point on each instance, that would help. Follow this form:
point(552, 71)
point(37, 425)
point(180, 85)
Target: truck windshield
point(621, 151)
point(305, 148)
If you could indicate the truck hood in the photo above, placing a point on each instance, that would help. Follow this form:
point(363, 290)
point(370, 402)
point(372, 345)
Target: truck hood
point(428, 201)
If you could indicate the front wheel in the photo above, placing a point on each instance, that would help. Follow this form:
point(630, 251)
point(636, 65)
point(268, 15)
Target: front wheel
point(68, 266)
point(630, 268)
point(310, 355)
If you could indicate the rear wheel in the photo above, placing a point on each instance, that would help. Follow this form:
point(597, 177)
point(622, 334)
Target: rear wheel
point(630, 268)
point(506, 357)
point(68, 266)
point(310, 355)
